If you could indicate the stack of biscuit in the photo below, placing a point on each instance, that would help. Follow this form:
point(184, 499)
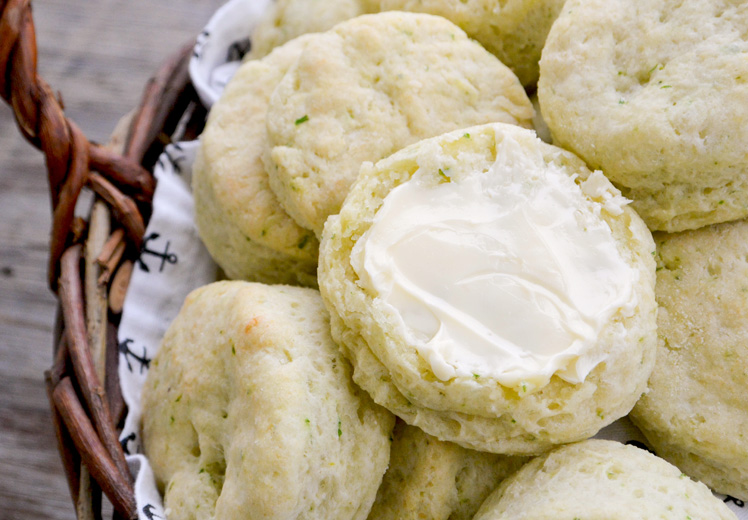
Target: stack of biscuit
point(504, 298)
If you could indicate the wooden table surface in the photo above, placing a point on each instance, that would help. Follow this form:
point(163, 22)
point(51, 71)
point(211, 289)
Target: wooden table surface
point(98, 55)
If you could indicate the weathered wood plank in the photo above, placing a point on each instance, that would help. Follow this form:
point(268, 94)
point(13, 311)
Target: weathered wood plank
point(98, 55)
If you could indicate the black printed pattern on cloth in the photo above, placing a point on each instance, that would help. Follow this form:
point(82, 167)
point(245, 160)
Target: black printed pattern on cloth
point(148, 512)
point(142, 360)
point(734, 500)
point(200, 43)
point(125, 441)
point(175, 155)
point(165, 256)
point(238, 50)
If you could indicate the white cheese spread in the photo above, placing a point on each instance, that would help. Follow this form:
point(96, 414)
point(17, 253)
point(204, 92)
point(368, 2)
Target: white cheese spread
point(509, 273)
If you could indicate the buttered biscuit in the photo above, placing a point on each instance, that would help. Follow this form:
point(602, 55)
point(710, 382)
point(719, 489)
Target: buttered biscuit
point(366, 89)
point(656, 95)
point(238, 217)
point(249, 411)
point(601, 480)
point(428, 478)
point(696, 410)
point(491, 290)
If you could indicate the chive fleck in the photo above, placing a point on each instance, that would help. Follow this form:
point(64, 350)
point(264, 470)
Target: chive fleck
point(302, 119)
point(340, 432)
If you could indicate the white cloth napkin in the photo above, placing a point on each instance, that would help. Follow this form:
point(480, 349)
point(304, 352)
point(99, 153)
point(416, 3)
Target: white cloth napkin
point(222, 45)
point(173, 261)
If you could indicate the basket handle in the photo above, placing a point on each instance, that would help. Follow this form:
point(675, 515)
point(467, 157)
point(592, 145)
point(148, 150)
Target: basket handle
point(85, 427)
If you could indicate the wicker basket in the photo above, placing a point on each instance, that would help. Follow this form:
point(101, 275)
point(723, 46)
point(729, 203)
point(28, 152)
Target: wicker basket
point(91, 260)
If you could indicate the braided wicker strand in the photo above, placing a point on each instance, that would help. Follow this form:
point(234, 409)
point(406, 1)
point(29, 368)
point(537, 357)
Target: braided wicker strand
point(68, 153)
point(85, 432)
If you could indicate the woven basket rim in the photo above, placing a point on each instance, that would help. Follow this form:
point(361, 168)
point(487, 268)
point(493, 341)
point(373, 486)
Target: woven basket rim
point(91, 258)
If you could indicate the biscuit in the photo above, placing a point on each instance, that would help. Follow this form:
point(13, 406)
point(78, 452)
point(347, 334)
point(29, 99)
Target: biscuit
point(513, 30)
point(656, 95)
point(474, 409)
point(601, 480)
point(238, 217)
point(696, 412)
point(249, 411)
point(369, 87)
point(285, 20)
point(428, 478)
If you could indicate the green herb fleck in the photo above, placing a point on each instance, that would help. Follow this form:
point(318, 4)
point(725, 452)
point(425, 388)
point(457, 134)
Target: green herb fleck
point(652, 69)
point(622, 101)
point(302, 119)
point(340, 432)
point(721, 202)
point(444, 175)
point(307, 421)
point(233, 347)
point(171, 420)
point(666, 86)
point(303, 241)
point(600, 414)
point(225, 414)
point(524, 387)
point(264, 232)
point(466, 136)
point(514, 421)
point(202, 470)
point(476, 376)
point(179, 398)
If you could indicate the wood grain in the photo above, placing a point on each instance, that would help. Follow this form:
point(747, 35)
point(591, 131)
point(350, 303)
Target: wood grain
point(98, 55)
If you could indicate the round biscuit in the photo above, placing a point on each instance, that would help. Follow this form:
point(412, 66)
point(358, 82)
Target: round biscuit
point(695, 413)
point(428, 478)
point(512, 30)
point(249, 411)
point(238, 216)
point(369, 87)
point(481, 413)
point(655, 94)
point(601, 480)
